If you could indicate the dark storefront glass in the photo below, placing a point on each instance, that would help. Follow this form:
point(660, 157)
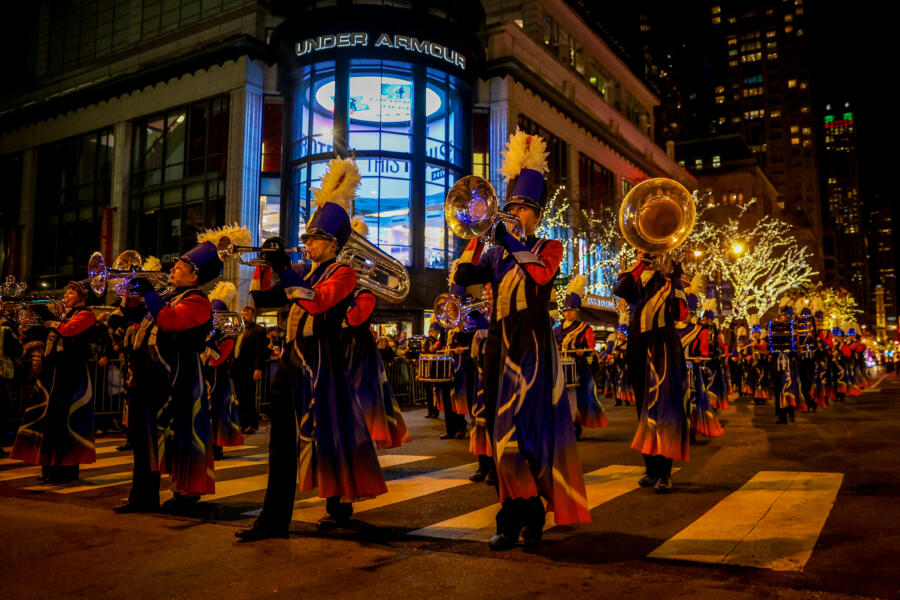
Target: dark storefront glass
point(73, 186)
point(381, 118)
point(557, 150)
point(178, 177)
point(597, 185)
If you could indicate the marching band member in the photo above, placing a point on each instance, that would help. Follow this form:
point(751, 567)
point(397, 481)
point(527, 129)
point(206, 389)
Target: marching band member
point(839, 375)
point(57, 429)
point(624, 390)
point(219, 355)
point(576, 338)
point(760, 362)
point(785, 381)
point(656, 367)
point(373, 392)
point(849, 363)
point(479, 437)
point(806, 357)
point(312, 397)
point(432, 344)
point(822, 390)
point(717, 384)
point(169, 416)
point(736, 360)
point(608, 368)
point(461, 390)
point(703, 419)
point(534, 442)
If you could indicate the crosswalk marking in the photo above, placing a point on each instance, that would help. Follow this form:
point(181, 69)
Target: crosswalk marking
point(120, 477)
point(255, 483)
point(106, 449)
point(601, 485)
point(771, 522)
point(399, 490)
point(113, 461)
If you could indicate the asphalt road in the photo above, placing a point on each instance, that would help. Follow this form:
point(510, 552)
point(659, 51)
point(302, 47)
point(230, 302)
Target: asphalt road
point(803, 510)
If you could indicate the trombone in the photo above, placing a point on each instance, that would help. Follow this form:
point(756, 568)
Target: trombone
point(471, 210)
point(126, 267)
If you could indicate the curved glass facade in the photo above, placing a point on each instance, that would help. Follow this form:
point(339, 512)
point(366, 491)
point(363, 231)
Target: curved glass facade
point(407, 126)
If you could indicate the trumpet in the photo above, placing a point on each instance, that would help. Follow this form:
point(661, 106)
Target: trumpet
point(21, 309)
point(657, 216)
point(227, 322)
point(228, 251)
point(471, 210)
point(450, 312)
point(126, 267)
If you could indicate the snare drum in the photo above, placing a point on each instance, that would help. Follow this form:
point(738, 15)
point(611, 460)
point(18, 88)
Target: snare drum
point(569, 371)
point(435, 368)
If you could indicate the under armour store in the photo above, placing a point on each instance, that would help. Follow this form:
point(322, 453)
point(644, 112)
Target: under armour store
point(394, 88)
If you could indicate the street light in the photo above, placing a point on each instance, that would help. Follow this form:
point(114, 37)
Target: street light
point(737, 247)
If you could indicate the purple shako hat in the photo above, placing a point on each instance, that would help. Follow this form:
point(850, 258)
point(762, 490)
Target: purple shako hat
point(819, 315)
point(204, 259)
point(573, 301)
point(218, 305)
point(528, 188)
point(331, 222)
point(692, 301)
point(708, 314)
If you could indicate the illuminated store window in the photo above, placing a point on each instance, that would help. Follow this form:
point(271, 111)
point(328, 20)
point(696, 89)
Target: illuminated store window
point(382, 111)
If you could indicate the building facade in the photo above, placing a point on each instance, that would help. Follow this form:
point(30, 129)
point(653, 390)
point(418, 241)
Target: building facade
point(138, 123)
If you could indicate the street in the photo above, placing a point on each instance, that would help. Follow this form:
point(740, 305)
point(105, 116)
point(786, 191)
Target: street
point(788, 511)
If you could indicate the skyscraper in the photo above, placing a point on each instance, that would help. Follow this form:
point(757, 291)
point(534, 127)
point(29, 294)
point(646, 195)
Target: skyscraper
point(762, 89)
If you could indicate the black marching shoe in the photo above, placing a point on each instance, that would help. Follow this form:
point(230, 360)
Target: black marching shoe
point(491, 478)
point(577, 430)
point(663, 486)
point(180, 504)
point(501, 541)
point(447, 436)
point(531, 536)
point(646, 481)
point(478, 476)
point(259, 532)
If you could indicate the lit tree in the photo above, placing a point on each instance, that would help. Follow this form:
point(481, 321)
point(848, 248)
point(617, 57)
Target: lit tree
point(837, 304)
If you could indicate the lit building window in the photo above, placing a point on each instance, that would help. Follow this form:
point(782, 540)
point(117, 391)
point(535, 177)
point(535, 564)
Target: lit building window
point(775, 114)
point(794, 129)
point(716, 20)
point(732, 41)
point(716, 10)
point(732, 63)
point(795, 141)
point(772, 56)
point(803, 85)
point(720, 89)
point(716, 161)
point(807, 131)
point(698, 163)
point(788, 18)
point(792, 83)
point(804, 109)
point(788, 28)
point(770, 34)
point(720, 99)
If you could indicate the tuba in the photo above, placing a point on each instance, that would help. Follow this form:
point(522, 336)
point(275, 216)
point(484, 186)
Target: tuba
point(450, 312)
point(376, 270)
point(126, 267)
point(657, 216)
point(471, 210)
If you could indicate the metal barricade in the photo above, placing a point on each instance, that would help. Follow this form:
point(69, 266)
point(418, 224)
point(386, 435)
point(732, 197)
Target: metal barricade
point(109, 387)
point(402, 378)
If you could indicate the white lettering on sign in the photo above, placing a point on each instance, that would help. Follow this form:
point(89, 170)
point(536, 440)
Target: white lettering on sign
point(396, 42)
point(329, 41)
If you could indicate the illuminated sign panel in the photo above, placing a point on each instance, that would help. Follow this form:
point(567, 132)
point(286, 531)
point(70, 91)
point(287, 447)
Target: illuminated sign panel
point(376, 99)
point(397, 42)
